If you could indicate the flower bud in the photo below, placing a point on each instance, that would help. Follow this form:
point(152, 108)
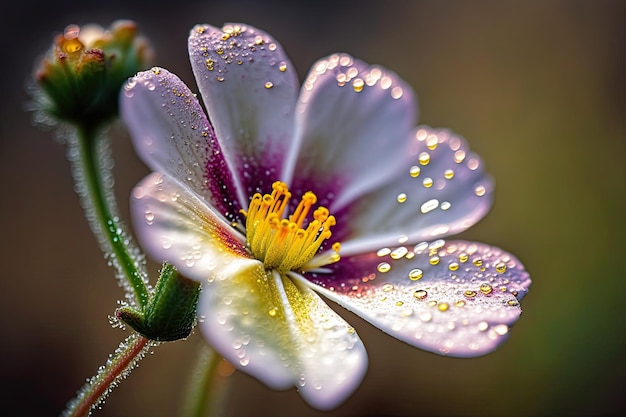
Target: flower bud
point(171, 313)
point(81, 75)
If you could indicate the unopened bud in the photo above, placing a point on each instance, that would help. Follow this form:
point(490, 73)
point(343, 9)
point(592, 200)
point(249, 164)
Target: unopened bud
point(81, 75)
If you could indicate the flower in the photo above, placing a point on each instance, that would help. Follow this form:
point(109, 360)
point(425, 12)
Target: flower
point(333, 190)
point(82, 73)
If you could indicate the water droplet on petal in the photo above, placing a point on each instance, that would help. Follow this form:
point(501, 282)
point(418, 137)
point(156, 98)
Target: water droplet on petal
point(420, 294)
point(415, 274)
point(501, 329)
point(414, 171)
point(384, 267)
point(486, 289)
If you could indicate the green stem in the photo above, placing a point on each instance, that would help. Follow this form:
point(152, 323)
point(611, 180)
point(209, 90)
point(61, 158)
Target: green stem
point(117, 367)
point(202, 398)
point(101, 200)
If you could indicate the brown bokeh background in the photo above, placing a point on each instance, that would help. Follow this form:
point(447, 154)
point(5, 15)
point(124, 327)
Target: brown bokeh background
point(537, 88)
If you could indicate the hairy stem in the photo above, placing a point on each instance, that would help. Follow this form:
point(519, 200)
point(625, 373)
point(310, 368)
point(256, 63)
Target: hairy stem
point(92, 175)
point(118, 366)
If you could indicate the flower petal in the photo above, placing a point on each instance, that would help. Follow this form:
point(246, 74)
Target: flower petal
point(440, 188)
point(348, 115)
point(173, 136)
point(174, 224)
point(456, 298)
point(250, 89)
point(281, 333)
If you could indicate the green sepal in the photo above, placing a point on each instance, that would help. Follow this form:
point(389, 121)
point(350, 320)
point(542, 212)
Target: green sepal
point(171, 313)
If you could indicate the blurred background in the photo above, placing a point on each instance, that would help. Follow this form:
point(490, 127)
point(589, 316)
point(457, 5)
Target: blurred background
point(536, 87)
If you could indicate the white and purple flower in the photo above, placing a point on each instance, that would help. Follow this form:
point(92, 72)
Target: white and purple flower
point(327, 189)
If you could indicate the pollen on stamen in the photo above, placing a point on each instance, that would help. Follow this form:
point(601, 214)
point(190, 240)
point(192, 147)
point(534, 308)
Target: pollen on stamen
point(288, 242)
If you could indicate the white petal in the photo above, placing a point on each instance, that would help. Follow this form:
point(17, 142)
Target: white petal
point(281, 333)
point(173, 136)
point(352, 121)
point(440, 188)
point(250, 89)
point(456, 299)
point(173, 224)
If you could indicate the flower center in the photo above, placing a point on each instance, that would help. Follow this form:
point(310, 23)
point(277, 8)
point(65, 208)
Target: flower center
point(284, 243)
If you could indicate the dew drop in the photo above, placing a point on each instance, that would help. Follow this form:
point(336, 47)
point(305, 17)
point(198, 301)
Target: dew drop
point(432, 141)
point(443, 306)
point(463, 257)
point(430, 205)
point(459, 156)
point(473, 164)
point(396, 92)
point(486, 289)
point(358, 84)
point(269, 85)
point(470, 293)
point(453, 266)
point(501, 329)
point(282, 67)
point(477, 262)
point(424, 158)
point(426, 316)
point(445, 205)
point(480, 191)
point(460, 303)
point(384, 267)
point(501, 267)
point(434, 260)
point(427, 182)
point(399, 252)
point(383, 252)
point(401, 198)
point(420, 247)
point(448, 174)
point(387, 287)
point(420, 294)
point(415, 274)
point(483, 325)
point(414, 171)
point(149, 216)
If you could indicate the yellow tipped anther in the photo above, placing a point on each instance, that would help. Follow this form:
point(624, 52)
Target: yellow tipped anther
point(287, 242)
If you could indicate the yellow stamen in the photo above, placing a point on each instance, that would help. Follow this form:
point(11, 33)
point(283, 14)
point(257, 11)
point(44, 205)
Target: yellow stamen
point(283, 242)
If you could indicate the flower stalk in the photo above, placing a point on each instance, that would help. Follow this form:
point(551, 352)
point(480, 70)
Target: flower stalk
point(119, 364)
point(207, 382)
point(91, 170)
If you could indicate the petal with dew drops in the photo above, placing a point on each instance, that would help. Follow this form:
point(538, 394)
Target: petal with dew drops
point(456, 298)
point(440, 189)
point(173, 136)
point(348, 115)
point(250, 89)
point(175, 225)
point(281, 333)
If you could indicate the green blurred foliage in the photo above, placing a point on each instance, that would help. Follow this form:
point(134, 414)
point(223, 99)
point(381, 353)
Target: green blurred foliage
point(537, 88)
